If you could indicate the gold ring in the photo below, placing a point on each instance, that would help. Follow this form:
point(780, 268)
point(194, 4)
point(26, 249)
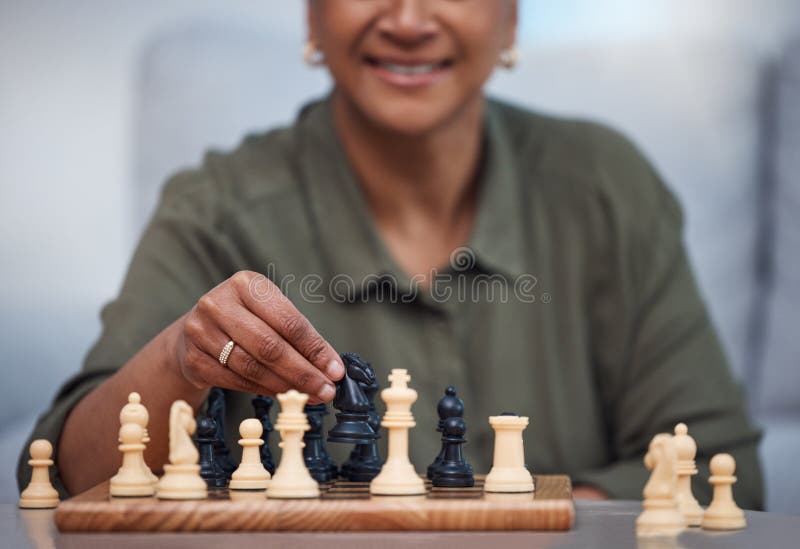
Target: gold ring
point(226, 353)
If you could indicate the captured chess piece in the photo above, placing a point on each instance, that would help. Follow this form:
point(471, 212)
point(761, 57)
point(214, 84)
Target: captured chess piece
point(723, 513)
point(135, 412)
point(251, 474)
point(261, 406)
point(210, 469)
point(397, 476)
point(182, 478)
point(452, 470)
point(39, 494)
point(352, 419)
point(508, 472)
point(292, 479)
point(319, 462)
point(661, 516)
point(686, 448)
point(364, 462)
point(133, 478)
point(449, 406)
point(216, 411)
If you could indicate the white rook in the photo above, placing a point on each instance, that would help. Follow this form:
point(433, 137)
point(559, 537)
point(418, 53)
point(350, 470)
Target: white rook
point(508, 473)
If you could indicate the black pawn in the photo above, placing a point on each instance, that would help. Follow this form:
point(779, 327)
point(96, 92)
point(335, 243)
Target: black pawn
point(365, 463)
point(319, 462)
point(210, 470)
point(449, 406)
point(261, 406)
point(453, 471)
point(216, 411)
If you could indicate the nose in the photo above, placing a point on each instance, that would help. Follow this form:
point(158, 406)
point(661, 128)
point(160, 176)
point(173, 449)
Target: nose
point(408, 22)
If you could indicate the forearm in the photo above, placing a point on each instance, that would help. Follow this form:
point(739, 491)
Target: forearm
point(87, 449)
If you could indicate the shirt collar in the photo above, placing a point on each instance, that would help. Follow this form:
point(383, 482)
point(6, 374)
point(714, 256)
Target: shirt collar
point(349, 243)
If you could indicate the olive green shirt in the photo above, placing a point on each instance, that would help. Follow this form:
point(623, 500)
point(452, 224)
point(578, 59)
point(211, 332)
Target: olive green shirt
point(573, 302)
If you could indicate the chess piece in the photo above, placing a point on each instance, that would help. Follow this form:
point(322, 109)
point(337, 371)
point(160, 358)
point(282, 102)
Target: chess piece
point(39, 494)
point(216, 410)
point(135, 412)
point(508, 472)
point(251, 474)
point(397, 476)
point(723, 513)
point(686, 448)
point(133, 478)
point(365, 462)
point(449, 406)
point(261, 406)
point(352, 419)
point(182, 478)
point(452, 470)
point(210, 469)
point(661, 516)
point(292, 479)
point(316, 456)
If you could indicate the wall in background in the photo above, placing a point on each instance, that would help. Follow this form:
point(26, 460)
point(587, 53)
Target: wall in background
point(67, 142)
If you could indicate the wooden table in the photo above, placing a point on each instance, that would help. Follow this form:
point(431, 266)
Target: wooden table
point(598, 524)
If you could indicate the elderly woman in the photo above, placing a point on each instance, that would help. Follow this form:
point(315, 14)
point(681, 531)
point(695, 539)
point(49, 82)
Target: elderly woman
point(534, 263)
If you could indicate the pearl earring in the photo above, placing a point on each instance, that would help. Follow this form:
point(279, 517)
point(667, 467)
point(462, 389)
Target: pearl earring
point(509, 57)
point(312, 55)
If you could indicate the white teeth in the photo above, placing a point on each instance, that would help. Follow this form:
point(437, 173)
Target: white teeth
point(410, 69)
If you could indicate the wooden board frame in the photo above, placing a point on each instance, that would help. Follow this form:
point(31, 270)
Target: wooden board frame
point(343, 506)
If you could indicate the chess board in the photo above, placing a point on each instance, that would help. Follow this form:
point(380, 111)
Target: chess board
point(342, 506)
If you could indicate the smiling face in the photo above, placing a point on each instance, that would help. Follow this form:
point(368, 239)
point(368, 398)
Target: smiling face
point(410, 66)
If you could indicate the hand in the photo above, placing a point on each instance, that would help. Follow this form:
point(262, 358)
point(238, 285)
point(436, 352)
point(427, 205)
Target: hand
point(276, 347)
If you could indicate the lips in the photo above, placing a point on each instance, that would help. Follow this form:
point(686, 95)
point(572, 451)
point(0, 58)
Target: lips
point(408, 72)
point(411, 69)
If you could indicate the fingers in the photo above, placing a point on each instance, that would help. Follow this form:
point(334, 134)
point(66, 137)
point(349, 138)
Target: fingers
point(248, 372)
point(207, 370)
point(271, 355)
point(276, 347)
point(265, 300)
point(243, 364)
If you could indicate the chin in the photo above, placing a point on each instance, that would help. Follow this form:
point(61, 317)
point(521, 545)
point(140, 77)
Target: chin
point(409, 116)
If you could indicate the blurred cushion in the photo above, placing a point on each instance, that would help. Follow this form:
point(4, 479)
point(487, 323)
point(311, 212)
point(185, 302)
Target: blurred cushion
point(780, 369)
point(693, 107)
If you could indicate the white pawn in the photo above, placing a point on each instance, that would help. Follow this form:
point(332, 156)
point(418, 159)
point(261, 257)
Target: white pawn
point(397, 476)
point(135, 412)
point(687, 450)
point(40, 494)
point(723, 513)
point(661, 516)
point(292, 479)
point(251, 474)
point(133, 478)
point(182, 478)
point(508, 473)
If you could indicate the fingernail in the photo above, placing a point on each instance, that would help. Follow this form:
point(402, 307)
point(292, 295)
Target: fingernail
point(334, 370)
point(327, 393)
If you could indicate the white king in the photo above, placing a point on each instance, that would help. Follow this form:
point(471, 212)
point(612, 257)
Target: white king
point(398, 477)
